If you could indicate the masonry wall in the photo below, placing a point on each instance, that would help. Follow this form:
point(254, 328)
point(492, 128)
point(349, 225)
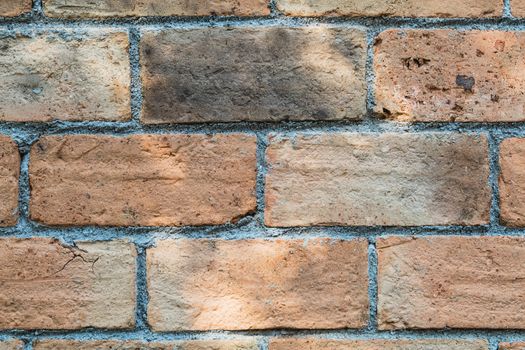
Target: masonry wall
point(253, 175)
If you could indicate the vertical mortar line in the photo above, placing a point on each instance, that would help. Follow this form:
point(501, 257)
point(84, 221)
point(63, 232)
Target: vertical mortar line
point(28, 344)
point(24, 190)
point(264, 343)
point(493, 180)
point(37, 9)
point(136, 84)
point(274, 12)
point(372, 284)
point(493, 343)
point(371, 35)
point(262, 144)
point(507, 10)
point(141, 316)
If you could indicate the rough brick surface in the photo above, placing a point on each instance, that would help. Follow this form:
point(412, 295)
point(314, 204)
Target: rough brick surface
point(518, 8)
point(11, 345)
point(398, 8)
point(142, 180)
point(9, 173)
point(377, 179)
point(46, 285)
point(124, 8)
point(511, 346)
point(9, 8)
point(256, 74)
point(256, 284)
point(65, 75)
point(324, 344)
point(139, 345)
point(451, 282)
point(450, 75)
point(512, 181)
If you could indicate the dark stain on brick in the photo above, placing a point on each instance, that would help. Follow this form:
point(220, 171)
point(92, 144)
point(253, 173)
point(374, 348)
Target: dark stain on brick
point(466, 82)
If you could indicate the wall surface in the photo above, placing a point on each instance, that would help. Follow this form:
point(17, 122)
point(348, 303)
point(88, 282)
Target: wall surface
point(253, 175)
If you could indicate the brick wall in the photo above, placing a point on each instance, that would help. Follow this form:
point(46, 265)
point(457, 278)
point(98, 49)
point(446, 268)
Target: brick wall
point(254, 175)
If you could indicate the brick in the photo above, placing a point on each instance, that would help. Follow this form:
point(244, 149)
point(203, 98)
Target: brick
point(142, 180)
point(451, 282)
point(257, 284)
point(377, 179)
point(254, 74)
point(66, 75)
point(46, 285)
point(396, 8)
point(9, 173)
point(517, 8)
point(450, 75)
point(126, 8)
point(421, 344)
point(136, 345)
point(11, 345)
point(511, 346)
point(11, 8)
point(512, 182)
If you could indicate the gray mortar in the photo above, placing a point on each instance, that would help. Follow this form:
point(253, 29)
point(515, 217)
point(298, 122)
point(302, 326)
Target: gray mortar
point(252, 226)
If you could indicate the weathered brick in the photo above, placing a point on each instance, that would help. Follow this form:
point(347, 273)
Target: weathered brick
point(67, 75)
point(257, 284)
point(140, 345)
point(518, 8)
point(142, 180)
point(11, 345)
point(9, 173)
point(421, 344)
point(511, 346)
point(46, 285)
point(377, 179)
point(255, 74)
point(126, 8)
point(512, 181)
point(451, 282)
point(397, 8)
point(10, 8)
point(450, 75)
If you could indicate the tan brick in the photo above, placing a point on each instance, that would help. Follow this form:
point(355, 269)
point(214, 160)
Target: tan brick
point(140, 345)
point(9, 173)
point(450, 75)
point(11, 345)
point(257, 284)
point(142, 180)
point(512, 181)
point(451, 282)
point(126, 8)
point(10, 8)
point(511, 346)
point(254, 74)
point(46, 285)
point(421, 344)
point(397, 8)
point(517, 8)
point(377, 179)
point(66, 75)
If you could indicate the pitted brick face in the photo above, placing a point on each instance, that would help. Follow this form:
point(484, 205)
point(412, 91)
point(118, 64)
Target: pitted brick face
point(12, 345)
point(512, 182)
point(144, 345)
point(11, 8)
point(372, 344)
point(512, 346)
point(9, 174)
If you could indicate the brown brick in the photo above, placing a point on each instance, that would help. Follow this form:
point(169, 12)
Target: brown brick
point(140, 345)
point(255, 74)
point(46, 285)
point(126, 8)
point(11, 345)
point(517, 8)
point(425, 344)
point(9, 173)
point(512, 181)
point(511, 346)
point(142, 180)
point(377, 179)
point(10, 8)
point(67, 75)
point(450, 75)
point(397, 8)
point(257, 284)
point(451, 282)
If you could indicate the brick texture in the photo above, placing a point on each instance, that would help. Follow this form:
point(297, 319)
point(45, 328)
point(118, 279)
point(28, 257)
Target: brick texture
point(325, 344)
point(398, 8)
point(57, 75)
point(10, 8)
point(451, 282)
point(256, 284)
point(377, 179)
point(255, 74)
point(125, 8)
point(11, 345)
point(9, 173)
point(142, 180)
point(518, 8)
point(511, 346)
point(140, 345)
point(450, 75)
point(46, 285)
point(512, 181)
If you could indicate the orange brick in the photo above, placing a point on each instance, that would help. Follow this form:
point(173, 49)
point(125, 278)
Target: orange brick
point(141, 345)
point(512, 181)
point(10, 8)
point(11, 345)
point(425, 344)
point(9, 173)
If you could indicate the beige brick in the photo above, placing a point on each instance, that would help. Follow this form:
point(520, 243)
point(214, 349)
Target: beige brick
point(10, 8)
point(451, 282)
point(512, 181)
point(46, 285)
point(257, 284)
point(511, 346)
point(141, 345)
point(11, 345)
point(65, 75)
point(254, 74)
point(420, 344)
point(9, 173)
point(517, 8)
point(377, 179)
